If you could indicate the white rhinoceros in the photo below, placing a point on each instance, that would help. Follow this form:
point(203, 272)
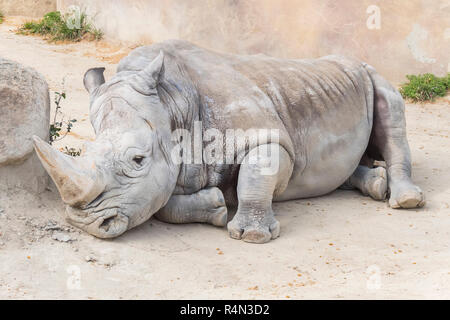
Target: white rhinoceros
point(334, 116)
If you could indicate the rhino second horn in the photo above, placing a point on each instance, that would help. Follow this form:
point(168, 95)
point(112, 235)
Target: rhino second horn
point(152, 72)
point(77, 182)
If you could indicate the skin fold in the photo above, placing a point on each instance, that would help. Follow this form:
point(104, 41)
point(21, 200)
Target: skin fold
point(333, 117)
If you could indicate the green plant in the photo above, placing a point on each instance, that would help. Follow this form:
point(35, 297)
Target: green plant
point(1, 17)
point(447, 81)
point(72, 151)
point(58, 123)
point(425, 87)
point(72, 26)
point(97, 33)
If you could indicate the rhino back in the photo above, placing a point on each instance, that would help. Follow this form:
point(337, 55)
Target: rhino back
point(257, 90)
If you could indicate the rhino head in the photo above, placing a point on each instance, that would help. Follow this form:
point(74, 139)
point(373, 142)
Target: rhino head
point(125, 175)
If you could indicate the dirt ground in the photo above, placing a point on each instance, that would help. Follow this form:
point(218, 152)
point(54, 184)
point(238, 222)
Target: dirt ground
point(342, 245)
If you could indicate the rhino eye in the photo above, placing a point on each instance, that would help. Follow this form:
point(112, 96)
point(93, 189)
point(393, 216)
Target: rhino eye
point(138, 159)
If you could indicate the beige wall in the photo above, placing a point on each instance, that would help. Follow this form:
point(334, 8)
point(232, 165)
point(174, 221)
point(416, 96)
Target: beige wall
point(414, 35)
point(30, 8)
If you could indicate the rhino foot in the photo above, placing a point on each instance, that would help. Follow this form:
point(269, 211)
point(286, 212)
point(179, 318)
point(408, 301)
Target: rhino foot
point(376, 185)
point(206, 206)
point(218, 216)
point(371, 182)
point(214, 206)
point(406, 195)
point(245, 227)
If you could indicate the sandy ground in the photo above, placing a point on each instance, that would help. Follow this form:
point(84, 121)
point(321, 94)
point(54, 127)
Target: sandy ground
point(342, 245)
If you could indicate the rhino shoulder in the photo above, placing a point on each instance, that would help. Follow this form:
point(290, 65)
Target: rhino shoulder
point(140, 57)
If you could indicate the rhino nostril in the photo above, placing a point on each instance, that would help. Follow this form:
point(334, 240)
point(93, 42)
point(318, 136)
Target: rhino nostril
point(107, 223)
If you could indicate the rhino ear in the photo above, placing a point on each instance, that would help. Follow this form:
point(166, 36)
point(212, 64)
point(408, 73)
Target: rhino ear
point(153, 71)
point(93, 78)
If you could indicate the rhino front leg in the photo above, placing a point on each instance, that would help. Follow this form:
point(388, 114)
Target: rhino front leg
point(261, 177)
point(205, 206)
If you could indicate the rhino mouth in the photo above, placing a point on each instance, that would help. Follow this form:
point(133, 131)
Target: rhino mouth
point(107, 223)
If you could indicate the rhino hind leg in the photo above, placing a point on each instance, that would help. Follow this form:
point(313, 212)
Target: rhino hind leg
point(388, 141)
point(370, 181)
point(205, 206)
point(254, 220)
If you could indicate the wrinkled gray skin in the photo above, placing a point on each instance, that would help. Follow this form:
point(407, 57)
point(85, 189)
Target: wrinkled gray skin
point(335, 117)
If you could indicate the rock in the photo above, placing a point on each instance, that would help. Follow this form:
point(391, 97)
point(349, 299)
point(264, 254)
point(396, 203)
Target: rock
point(90, 258)
point(52, 225)
point(24, 112)
point(62, 237)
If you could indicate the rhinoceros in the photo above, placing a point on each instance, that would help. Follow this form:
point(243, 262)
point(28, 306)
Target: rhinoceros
point(335, 118)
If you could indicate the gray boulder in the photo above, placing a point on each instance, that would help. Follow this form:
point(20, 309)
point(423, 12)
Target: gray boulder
point(24, 112)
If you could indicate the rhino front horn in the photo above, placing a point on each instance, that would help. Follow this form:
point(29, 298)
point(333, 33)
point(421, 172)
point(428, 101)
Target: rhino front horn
point(77, 179)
